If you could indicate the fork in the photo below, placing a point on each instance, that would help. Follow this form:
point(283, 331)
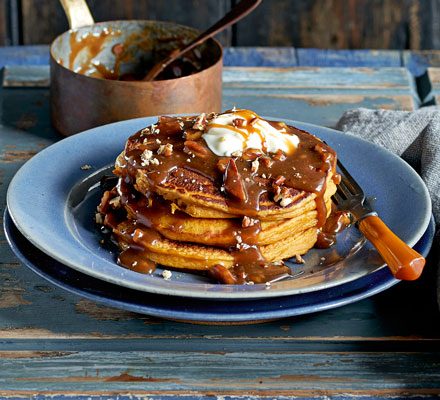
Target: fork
point(403, 261)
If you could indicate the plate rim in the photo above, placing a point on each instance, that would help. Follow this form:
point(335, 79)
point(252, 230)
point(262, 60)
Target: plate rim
point(161, 288)
point(205, 317)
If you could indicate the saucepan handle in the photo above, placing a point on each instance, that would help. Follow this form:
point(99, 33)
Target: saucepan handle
point(78, 13)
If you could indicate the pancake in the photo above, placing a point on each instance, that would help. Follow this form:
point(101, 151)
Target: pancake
point(200, 203)
point(220, 192)
point(189, 256)
point(177, 225)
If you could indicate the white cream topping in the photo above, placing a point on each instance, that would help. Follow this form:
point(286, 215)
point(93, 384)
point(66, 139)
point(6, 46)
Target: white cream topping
point(226, 139)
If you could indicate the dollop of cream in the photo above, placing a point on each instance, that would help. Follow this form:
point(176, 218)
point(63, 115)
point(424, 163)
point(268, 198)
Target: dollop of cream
point(231, 133)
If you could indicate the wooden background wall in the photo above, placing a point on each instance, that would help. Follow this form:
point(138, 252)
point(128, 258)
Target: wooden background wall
point(350, 24)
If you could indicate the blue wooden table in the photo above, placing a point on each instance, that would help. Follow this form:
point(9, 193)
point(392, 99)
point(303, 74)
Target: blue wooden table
point(56, 344)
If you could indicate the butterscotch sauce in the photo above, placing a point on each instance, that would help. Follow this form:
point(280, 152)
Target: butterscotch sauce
point(173, 152)
point(135, 259)
point(91, 44)
point(85, 53)
point(335, 223)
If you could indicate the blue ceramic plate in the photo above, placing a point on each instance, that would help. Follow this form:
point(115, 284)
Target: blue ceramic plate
point(194, 310)
point(52, 201)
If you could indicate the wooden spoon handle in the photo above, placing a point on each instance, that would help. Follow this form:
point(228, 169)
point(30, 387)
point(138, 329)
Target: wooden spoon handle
point(403, 261)
point(78, 13)
point(238, 12)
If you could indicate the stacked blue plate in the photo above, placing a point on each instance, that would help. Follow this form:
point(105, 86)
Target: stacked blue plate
point(58, 240)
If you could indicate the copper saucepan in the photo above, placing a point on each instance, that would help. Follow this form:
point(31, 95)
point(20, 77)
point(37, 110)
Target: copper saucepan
point(95, 67)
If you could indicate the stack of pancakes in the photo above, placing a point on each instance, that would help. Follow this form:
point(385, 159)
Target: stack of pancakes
point(180, 205)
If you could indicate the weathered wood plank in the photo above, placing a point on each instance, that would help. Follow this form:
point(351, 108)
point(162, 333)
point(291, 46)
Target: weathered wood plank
point(328, 24)
point(192, 13)
point(299, 91)
point(348, 58)
point(319, 109)
point(260, 56)
point(287, 373)
point(317, 95)
point(418, 62)
point(4, 39)
point(24, 76)
point(389, 24)
point(24, 55)
point(306, 78)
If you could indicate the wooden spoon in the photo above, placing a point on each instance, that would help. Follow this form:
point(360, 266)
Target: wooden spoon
point(238, 12)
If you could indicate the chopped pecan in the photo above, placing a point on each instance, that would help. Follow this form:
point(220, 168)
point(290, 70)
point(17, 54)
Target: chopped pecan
point(196, 148)
point(299, 259)
point(193, 134)
point(253, 121)
point(170, 125)
point(251, 154)
point(279, 155)
point(255, 166)
point(233, 183)
point(248, 221)
point(222, 163)
point(222, 274)
point(99, 218)
point(200, 122)
point(323, 150)
point(238, 122)
point(279, 180)
point(283, 196)
point(115, 202)
point(285, 201)
point(266, 161)
point(146, 156)
point(105, 200)
point(165, 149)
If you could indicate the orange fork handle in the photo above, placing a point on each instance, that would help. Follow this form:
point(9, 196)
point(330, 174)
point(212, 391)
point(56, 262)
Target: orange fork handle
point(403, 261)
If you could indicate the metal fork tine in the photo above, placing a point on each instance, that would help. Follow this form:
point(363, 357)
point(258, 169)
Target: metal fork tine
point(343, 189)
point(348, 180)
point(346, 186)
point(337, 198)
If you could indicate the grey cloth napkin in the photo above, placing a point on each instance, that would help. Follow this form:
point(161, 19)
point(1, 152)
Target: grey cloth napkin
point(413, 135)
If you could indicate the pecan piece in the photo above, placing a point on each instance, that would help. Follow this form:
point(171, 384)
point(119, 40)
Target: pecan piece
point(238, 122)
point(283, 196)
point(165, 149)
point(196, 148)
point(255, 165)
point(253, 121)
point(169, 125)
point(248, 221)
point(222, 274)
point(279, 180)
point(200, 122)
point(104, 204)
point(233, 183)
point(266, 161)
point(279, 155)
point(251, 154)
point(193, 134)
point(222, 164)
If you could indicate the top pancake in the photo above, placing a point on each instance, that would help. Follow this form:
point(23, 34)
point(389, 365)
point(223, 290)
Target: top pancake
point(205, 186)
